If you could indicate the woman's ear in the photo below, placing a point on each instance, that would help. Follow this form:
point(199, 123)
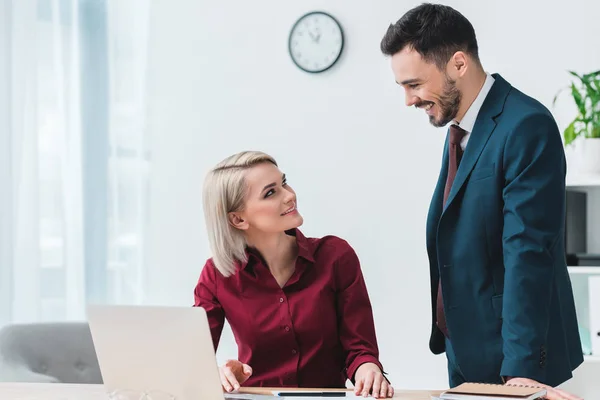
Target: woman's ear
point(237, 221)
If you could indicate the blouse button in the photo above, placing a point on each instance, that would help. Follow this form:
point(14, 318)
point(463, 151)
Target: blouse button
point(287, 328)
point(294, 351)
point(281, 299)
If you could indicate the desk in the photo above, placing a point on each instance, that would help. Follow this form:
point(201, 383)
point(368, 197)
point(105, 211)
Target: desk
point(60, 391)
point(398, 394)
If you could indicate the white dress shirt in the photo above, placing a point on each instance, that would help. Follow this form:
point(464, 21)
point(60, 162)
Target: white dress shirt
point(468, 121)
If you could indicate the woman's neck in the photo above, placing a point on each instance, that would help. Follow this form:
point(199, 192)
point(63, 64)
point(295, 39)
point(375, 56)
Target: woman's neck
point(278, 250)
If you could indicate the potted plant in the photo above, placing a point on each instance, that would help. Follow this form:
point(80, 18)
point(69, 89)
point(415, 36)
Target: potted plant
point(586, 125)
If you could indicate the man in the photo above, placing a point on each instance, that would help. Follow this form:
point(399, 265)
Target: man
point(502, 303)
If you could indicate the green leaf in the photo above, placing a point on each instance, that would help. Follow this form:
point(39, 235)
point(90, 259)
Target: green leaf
point(590, 90)
point(569, 133)
point(594, 91)
point(592, 74)
point(575, 74)
point(581, 129)
point(585, 79)
point(558, 94)
point(578, 99)
point(594, 98)
point(586, 94)
point(595, 130)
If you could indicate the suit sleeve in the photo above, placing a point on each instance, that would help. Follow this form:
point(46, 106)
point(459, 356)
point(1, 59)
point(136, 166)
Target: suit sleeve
point(534, 201)
point(205, 296)
point(355, 315)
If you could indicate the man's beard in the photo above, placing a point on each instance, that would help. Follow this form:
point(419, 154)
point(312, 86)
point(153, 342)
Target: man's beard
point(448, 103)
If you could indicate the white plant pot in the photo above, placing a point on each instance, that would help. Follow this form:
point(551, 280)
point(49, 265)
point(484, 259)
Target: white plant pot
point(589, 163)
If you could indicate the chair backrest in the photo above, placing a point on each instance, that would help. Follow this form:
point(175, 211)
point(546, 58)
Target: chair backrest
point(63, 350)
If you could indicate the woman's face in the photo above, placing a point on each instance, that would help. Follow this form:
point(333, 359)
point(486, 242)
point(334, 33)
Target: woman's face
point(270, 204)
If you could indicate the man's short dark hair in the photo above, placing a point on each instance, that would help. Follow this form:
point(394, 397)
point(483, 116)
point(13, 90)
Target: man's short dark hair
point(433, 30)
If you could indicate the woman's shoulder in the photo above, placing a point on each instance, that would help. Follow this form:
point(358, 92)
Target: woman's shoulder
point(209, 270)
point(334, 253)
point(329, 245)
point(333, 241)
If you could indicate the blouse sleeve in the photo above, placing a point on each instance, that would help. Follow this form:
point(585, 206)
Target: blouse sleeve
point(356, 324)
point(205, 296)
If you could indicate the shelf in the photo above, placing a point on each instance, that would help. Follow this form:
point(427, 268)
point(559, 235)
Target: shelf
point(584, 270)
point(591, 359)
point(583, 180)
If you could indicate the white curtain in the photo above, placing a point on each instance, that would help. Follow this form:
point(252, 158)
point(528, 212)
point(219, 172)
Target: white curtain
point(73, 159)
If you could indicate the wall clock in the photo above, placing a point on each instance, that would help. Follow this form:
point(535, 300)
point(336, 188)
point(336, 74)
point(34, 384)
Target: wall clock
point(316, 42)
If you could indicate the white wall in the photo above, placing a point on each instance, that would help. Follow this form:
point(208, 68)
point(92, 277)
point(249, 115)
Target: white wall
point(364, 165)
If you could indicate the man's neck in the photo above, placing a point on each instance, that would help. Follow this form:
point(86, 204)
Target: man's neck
point(470, 92)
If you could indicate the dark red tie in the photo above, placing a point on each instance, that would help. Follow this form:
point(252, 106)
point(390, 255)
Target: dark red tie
point(454, 156)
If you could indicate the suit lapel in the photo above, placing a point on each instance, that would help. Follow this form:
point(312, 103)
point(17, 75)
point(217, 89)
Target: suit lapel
point(484, 126)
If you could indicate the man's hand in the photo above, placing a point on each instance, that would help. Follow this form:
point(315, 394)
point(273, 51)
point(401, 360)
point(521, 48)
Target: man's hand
point(370, 380)
point(233, 374)
point(552, 393)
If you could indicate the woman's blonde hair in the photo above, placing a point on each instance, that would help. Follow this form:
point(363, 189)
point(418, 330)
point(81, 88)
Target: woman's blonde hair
point(224, 192)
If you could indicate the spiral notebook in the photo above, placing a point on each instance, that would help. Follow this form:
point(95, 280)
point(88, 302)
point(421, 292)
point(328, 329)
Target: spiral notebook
point(484, 391)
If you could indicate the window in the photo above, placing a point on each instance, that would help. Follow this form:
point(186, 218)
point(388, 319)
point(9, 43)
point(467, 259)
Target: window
point(90, 98)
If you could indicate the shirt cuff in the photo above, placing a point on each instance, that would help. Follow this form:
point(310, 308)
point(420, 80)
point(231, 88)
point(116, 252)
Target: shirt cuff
point(360, 360)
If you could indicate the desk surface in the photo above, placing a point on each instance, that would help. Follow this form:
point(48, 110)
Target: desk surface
point(59, 391)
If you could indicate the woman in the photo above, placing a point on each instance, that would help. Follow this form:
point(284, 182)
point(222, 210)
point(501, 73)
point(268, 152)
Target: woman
point(298, 307)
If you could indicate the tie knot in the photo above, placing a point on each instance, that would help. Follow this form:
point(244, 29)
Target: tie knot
point(456, 134)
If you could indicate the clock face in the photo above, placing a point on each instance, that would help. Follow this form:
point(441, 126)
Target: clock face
point(316, 42)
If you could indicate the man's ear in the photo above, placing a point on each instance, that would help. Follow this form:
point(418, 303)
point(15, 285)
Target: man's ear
point(458, 64)
point(237, 221)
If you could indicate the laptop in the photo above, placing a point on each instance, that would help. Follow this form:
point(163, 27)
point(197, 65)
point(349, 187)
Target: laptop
point(154, 352)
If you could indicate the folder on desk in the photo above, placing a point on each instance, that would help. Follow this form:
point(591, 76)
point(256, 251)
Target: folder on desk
point(484, 391)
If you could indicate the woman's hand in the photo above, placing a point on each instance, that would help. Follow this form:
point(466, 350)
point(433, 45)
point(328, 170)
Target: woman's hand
point(370, 380)
point(233, 374)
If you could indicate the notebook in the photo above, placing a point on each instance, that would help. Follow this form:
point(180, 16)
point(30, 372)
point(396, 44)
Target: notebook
point(485, 391)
